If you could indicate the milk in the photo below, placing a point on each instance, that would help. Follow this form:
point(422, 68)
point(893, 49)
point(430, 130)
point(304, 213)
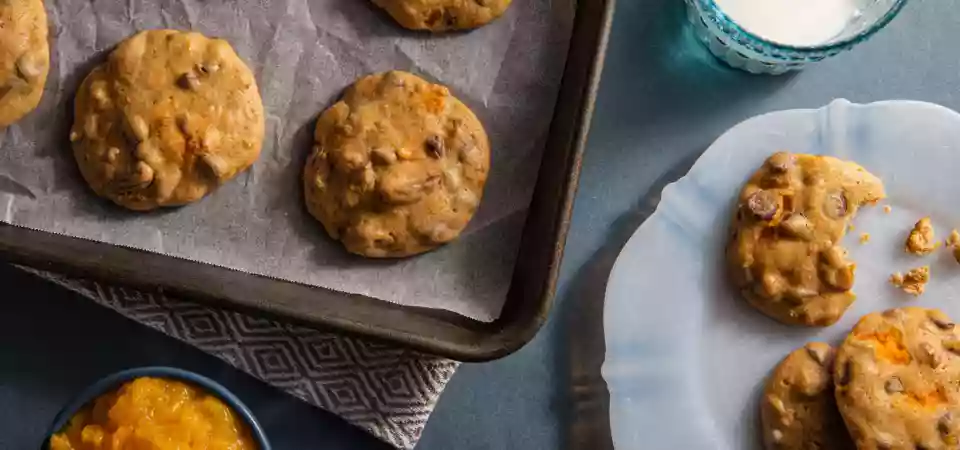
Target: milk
point(801, 23)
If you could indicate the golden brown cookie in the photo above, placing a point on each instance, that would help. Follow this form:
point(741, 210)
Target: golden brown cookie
point(784, 254)
point(398, 166)
point(24, 57)
point(798, 410)
point(898, 380)
point(169, 117)
point(443, 15)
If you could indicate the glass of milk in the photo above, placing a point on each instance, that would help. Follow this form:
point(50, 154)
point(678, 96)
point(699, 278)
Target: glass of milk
point(776, 36)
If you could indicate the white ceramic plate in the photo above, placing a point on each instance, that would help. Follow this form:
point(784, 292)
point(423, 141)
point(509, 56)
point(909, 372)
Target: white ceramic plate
point(686, 357)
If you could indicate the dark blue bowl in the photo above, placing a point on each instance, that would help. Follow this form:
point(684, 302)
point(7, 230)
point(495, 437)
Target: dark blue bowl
point(112, 382)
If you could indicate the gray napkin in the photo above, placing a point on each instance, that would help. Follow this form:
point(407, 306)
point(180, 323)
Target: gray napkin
point(388, 391)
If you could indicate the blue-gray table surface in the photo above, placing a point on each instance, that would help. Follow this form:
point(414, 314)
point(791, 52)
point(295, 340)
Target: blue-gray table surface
point(663, 100)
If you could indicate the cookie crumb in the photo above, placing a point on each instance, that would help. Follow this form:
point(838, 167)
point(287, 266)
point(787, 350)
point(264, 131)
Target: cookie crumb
point(953, 242)
point(921, 240)
point(864, 238)
point(887, 209)
point(850, 228)
point(896, 279)
point(914, 282)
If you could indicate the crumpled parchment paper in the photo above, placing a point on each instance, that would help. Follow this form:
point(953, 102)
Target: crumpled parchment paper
point(303, 53)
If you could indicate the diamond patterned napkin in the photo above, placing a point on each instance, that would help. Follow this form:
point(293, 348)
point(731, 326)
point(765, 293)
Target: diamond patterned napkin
point(388, 391)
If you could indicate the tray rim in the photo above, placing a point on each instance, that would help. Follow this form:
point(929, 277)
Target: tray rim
point(438, 332)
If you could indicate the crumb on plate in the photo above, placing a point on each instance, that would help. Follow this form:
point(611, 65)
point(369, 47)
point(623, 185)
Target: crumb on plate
point(864, 238)
point(954, 239)
point(921, 240)
point(953, 242)
point(887, 209)
point(913, 282)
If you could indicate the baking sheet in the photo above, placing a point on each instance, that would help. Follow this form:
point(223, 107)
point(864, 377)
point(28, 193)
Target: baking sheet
point(304, 53)
point(687, 357)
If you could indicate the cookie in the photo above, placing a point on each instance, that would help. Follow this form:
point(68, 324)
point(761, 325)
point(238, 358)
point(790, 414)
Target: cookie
point(784, 253)
point(169, 117)
point(24, 57)
point(398, 166)
point(798, 410)
point(897, 378)
point(443, 15)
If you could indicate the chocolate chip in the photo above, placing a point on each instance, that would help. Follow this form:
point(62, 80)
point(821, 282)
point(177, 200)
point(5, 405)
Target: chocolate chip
point(942, 324)
point(435, 147)
point(188, 81)
point(449, 18)
point(780, 162)
point(952, 346)
point(943, 425)
point(764, 204)
point(835, 205)
point(893, 386)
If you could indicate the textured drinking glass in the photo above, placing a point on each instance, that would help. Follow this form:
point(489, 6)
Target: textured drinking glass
point(744, 50)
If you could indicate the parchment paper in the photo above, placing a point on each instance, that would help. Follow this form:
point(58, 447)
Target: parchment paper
point(304, 53)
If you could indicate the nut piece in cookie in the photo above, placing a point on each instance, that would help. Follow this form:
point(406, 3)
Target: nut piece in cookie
point(24, 57)
point(784, 253)
point(896, 380)
point(443, 15)
point(398, 166)
point(798, 410)
point(169, 117)
point(914, 282)
point(921, 240)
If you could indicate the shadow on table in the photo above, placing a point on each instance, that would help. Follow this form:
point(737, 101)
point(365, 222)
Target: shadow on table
point(587, 414)
point(54, 342)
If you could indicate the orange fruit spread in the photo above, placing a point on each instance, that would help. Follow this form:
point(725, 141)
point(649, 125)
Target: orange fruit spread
point(889, 346)
point(928, 400)
point(155, 414)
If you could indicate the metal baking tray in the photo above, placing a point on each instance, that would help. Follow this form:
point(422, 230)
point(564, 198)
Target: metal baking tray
point(443, 333)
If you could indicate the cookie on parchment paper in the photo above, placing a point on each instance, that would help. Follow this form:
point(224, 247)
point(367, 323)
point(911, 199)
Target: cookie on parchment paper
point(169, 117)
point(24, 57)
point(898, 380)
point(798, 410)
point(398, 166)
point(443, 15)
point(784, 253)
